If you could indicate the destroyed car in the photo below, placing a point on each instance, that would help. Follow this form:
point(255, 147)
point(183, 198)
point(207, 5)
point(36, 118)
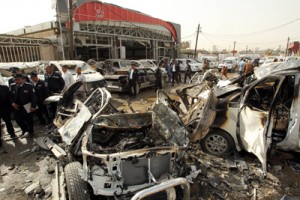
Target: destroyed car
point(118, 82)
point(118, 154)
point(262, 115)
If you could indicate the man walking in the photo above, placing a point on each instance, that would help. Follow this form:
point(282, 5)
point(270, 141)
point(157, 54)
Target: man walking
point(5, 109)
point(23, 103)
point(41, 92)
point(55, 84)
point(188, 71)
point(158, 76)
point(133, 77)
point(241, 67)
point(81, 92)
point(67, 76)
point(174, 72)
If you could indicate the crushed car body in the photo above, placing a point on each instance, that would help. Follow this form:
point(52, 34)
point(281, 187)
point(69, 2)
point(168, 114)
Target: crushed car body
point(110, 144)
point(124, 153)
point(261, 115)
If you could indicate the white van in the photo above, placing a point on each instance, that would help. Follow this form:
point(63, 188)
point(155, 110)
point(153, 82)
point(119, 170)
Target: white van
point(230, 62)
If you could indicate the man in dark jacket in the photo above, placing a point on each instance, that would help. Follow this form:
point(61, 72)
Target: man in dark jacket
point(133, 77)
point(55, 84)
point(24, 103)
point(54, 81)
point(158, 76)
point(188, 71)
point(5, 109)
point(41, 92)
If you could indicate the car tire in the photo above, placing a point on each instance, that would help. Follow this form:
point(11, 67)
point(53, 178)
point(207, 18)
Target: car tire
point(217, 142)
point(219, 69)
point(76, 187)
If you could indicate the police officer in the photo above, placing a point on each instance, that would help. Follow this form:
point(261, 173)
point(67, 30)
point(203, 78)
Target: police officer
point(14, 71)
point(23, 103)
point(5, 108)
point(55, 84)
point(54, 81)
point(41, 92)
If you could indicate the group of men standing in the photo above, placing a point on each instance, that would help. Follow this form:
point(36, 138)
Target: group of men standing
point(24, 97)
point(173, 70)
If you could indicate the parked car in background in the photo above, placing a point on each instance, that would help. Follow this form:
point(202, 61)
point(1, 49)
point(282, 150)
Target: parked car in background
point(111, 65)
point(230, 62)
point(195, 64)
point(213, 61)
point(118, 82)
point(153, 64)
point(93, 78)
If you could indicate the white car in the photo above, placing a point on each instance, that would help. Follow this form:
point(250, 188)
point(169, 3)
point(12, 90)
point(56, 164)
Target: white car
point(93, 78)
point(230, 62)
point(213, 61)
point(151, 64)
point(195, 65)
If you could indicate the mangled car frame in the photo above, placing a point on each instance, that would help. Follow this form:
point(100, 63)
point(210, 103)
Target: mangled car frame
point(262, 115)
point(118, 154)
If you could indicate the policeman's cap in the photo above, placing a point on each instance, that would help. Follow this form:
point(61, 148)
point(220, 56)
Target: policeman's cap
point(19, 76)
point(14, 69)
point(33, 74)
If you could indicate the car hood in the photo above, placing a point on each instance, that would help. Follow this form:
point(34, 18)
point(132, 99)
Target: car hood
point(276, 68)
point(196, 108)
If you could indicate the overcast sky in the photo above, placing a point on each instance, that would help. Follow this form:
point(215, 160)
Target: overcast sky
point(252, 23)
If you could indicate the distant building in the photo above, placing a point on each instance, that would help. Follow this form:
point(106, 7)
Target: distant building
point(293, 48)
point(104, 31)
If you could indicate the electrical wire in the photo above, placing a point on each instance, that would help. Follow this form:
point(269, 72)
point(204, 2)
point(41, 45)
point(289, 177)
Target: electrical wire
point(253, 33)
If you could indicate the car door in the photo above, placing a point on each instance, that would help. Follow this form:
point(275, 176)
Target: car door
point(255, 120)
point(150, 77)
point(142, 78)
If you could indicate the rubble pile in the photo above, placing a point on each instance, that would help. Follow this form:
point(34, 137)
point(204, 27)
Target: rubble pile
point(239, 177)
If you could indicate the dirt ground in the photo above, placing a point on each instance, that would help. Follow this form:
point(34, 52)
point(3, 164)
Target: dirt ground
point(23, 163)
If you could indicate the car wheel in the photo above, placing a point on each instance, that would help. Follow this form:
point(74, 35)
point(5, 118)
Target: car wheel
point(218, 143)
point(76, 187)
point(219, 69)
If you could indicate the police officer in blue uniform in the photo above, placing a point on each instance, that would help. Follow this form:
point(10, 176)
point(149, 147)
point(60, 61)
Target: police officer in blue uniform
point(5, 109)
point(55, 84)
point(41, 91)
point(14, 71)
point(23, 103)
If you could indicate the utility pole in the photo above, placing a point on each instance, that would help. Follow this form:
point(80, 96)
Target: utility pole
point(71, 30)
point(198, 30)
point(287, 46)
point(233, 48)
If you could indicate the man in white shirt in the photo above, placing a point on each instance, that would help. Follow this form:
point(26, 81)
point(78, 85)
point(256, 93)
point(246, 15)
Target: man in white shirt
point(81, 92)
point(67, 76)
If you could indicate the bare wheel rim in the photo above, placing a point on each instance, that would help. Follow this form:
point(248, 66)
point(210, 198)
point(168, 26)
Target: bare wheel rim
point(216, 144)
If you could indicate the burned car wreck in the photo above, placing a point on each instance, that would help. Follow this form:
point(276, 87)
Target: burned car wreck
point(115, 154)
point(261, 116)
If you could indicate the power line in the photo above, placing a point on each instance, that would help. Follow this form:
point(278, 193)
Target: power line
point(188, 35)
point(255, 33)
